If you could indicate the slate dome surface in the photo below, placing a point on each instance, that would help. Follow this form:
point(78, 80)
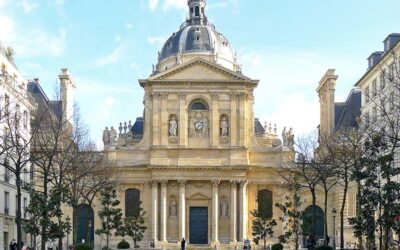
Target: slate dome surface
point(196, 36)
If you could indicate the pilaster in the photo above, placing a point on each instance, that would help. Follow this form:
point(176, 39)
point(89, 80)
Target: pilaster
point(215, 120)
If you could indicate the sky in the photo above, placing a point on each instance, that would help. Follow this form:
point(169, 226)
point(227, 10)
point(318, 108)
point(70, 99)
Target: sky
point(108, 45)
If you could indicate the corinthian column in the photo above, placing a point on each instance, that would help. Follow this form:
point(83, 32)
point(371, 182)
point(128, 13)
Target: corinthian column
point(243, 210)
point(215, 212)
point(182, 209)
point(233, 211)
point(154, 210)
point(164, 210)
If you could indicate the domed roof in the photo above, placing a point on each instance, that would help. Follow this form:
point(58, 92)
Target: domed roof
point(196, 36)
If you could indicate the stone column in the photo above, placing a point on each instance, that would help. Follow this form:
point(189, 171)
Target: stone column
point(215, 210)
point(182, 209)
point(242, 119)
point(164, 124)
point(233, 211)
point(182, 120)
point(243, 210)
point(164, 210)
point(154, 210)
point(156, 123)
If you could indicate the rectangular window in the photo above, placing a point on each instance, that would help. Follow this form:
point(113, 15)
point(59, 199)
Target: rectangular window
point(374, 114)
point(6, 202)
point(366, 94)
point(391, 103)
point(392, 70)
point(25, 206)
point(374, 90)
point(366, 120)
point(383, 79)
point(25, 119)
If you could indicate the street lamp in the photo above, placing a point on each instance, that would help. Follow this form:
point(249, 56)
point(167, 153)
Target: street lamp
point(68, 220)
point(334, 227)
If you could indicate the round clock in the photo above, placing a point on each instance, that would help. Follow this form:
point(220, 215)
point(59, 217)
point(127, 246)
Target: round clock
point(198, 125)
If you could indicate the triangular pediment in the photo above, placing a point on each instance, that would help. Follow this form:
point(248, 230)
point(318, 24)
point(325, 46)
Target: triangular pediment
point(199, 69)
point(199, 196)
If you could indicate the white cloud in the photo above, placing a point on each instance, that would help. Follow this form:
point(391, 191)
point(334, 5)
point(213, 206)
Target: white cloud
point(36, 42)
point(114, 57)
point(288, 79)
point(153, 4)
point(3, 2)
point(175, 4)
point(7, 29)
point(158, 40)
point(128, 25)
point(28, 6)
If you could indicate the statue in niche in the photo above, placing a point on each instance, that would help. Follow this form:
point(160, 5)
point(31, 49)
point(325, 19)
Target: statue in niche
point(172, 208)
point(224, 127)
point(224, 208)
point(106, 137)
point(173, 127)
point(113, 136)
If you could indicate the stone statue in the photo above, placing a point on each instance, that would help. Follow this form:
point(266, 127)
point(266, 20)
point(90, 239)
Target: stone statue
point(106, 137)
point(224, 208)
point(224, 127)
point(290, 138)
point(113, 136)
point(284, 137)
point(173, 127)
point(172, 208)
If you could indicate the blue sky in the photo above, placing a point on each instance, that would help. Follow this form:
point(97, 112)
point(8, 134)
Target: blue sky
point(108, 45)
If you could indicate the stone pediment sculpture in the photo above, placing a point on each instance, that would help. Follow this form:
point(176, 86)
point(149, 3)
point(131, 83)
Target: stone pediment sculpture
point(198, 125)
point(199, 196)
point(191, 69)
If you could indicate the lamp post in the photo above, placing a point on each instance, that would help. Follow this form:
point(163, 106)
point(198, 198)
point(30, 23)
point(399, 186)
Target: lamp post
point(334, 228)
point(68, 220)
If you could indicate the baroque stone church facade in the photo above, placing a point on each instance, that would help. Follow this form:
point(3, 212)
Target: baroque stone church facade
point(198, 159)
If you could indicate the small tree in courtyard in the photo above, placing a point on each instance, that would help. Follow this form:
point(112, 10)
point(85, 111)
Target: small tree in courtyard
point(134, 225)
point(263, 226)
point(292, 217)
point(110, 215)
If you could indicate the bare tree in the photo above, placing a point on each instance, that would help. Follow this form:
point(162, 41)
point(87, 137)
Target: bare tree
point(305, 172)
point(15, 157)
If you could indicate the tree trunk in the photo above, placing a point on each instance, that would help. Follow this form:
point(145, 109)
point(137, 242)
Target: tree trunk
point(342, 212)
point(360, 239)
point(325, 217)
point(44, 212)
point(265, 243)
point(314, 201)
point(18, 217)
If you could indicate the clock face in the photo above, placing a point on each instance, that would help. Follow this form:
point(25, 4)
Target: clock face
point(198, 125)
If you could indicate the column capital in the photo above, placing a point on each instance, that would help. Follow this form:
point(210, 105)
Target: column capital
point(182, 182)
point(234, 183)
point(164, 182)
point(215, 183)
point(243, 183)
point(154, 182)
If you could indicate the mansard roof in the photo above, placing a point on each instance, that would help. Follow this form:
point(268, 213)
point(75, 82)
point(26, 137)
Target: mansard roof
point(346, 113)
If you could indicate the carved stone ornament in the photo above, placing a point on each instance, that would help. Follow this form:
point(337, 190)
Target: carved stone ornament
point(198, 125)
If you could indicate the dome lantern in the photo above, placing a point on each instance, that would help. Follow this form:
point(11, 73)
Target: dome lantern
point(196, 38)
point(197, 11)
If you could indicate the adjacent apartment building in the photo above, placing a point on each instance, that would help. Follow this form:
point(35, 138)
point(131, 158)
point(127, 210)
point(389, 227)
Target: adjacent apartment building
point(14, 101)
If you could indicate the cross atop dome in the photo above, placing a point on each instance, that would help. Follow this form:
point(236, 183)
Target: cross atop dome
point(197, 11)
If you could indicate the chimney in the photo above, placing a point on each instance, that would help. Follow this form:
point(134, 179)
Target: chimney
point(67, 89)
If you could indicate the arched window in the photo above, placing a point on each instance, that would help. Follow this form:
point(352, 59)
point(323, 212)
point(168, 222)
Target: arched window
point(198, 105)
point(264, 199)
point(197, 11)
point(132, 202)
